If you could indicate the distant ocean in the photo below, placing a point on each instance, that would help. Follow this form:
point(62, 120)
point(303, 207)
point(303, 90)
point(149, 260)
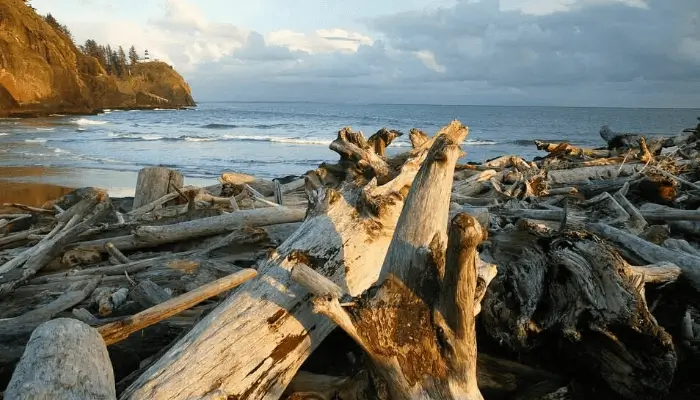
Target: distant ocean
point(278, 139)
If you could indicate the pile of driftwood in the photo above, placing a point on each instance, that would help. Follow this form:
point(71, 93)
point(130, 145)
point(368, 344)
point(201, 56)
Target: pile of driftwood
point(574, 275)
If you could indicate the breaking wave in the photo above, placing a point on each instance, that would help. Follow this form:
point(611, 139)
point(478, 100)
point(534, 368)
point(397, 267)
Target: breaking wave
point(85, 121)
point(470, 142)
point(252, 126)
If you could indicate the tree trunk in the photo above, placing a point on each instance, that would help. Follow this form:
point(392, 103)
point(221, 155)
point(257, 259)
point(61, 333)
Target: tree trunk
point(572, 296)
point(64, 359)
point(155, 182)
point(567, 176)
point(418, 326)
point(251, 345)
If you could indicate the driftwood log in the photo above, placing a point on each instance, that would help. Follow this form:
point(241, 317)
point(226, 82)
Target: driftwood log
point(573, 287)
point(418, 324)
point(252, 345)
point(65, 359)
point(155, 182)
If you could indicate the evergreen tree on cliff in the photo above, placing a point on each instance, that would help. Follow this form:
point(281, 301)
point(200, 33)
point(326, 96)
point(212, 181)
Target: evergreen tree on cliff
point(110, 58)
point(133, 55)
point(121, 59)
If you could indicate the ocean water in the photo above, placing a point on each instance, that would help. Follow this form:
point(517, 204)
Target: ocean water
point(278, 139)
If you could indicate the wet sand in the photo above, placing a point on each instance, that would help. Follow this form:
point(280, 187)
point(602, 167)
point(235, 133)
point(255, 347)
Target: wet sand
point(28, 193)
point(34, 186)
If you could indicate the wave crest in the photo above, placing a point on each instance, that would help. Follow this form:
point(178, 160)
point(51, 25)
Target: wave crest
point(85, 121)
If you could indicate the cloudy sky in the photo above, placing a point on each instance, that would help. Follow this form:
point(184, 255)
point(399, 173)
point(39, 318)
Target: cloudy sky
point(635, 53)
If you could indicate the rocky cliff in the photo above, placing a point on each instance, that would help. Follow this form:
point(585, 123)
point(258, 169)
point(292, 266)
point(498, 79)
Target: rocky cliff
point(43, 72)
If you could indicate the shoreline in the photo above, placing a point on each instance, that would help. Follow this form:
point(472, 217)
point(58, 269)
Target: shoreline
point(34, 113)
point(40, 184)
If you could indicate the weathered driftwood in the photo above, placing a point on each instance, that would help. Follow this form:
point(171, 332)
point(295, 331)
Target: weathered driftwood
point(418, 325)
point(116, 254)
point(148, 294)
point(568, 176)
point(25, 323)
point(567, 149)
point(51, 246)
point(117, 331)
point(264, 186)
point(155, 182)
point(382, 139)
point(251, 345)
point(145, 236)
point(582, 293)
point(64, 359)
point(641, 251)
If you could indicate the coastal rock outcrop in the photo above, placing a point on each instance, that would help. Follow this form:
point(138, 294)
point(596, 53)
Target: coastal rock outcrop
point(43, 72)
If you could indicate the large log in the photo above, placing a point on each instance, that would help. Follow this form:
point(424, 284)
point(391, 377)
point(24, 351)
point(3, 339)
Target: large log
point(155, 182)
point(251, 345)
point(572, 295)
point(418, 325)
point(275, 221)
point(64, 359)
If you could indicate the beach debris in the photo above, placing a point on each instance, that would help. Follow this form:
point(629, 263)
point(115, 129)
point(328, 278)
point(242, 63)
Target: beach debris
point(575, 274)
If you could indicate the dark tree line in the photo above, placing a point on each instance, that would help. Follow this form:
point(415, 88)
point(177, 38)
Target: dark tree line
point(114, 61)
point(58, 26)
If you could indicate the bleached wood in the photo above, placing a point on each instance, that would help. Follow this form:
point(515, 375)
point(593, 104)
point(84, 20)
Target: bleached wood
point(155, 204)
point(64, 359)
point(52, 245)
point(649, 252)
point(661, 272)
point(120, 330)
point(475, 184)
point(118, 255)
point(215, 225)
point(153, 183)
point(427, 291)
point(252, 344)
point(567, 176)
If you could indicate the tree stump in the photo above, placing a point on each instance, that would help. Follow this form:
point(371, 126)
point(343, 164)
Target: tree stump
point(65, 359)
point(571, 296)
point(418, 324)
point(154, 183)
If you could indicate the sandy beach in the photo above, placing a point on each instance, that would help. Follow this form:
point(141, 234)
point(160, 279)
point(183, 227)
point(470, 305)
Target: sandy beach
point(35, 185)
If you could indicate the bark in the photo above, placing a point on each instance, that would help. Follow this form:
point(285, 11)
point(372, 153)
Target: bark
point(64, 359)
point(252, 344)
point(573, 296)
point(418, 325)
point(155, 182)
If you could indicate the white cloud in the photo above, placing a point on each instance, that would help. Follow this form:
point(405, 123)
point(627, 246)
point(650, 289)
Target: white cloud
point(321, 41)
point(591, 52)
point(546, 7)
point(428, 59)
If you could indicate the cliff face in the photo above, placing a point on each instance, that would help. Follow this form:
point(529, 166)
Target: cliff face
point(43, 72)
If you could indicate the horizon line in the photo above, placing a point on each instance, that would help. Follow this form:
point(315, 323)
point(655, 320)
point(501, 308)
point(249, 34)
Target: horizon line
point(439, 105)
